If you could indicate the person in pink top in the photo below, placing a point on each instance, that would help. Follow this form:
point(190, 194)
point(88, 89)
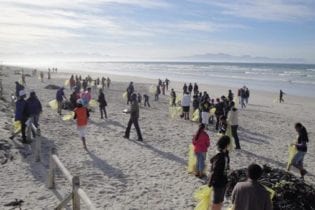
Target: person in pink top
point(201, 142)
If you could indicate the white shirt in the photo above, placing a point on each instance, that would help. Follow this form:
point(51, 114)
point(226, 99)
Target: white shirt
point(233, 117)
point(186, 100)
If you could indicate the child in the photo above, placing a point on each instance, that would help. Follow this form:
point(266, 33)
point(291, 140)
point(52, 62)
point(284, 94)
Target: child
point(201, 142)
point(81, 114)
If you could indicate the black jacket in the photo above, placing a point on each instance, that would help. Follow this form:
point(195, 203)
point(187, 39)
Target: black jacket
point(302, 140)
point(102, 100)
point(220, 164)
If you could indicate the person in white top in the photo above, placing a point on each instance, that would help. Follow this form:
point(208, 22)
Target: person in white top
point(186, 105)
point(233, 120)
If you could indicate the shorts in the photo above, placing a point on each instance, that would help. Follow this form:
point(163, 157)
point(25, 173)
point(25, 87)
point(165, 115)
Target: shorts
point(186, 108)
point(298, 159)
point(82, 131)
point(218, 195)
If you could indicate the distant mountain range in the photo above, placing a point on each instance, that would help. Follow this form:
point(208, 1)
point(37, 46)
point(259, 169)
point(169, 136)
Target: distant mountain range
point(222, 57)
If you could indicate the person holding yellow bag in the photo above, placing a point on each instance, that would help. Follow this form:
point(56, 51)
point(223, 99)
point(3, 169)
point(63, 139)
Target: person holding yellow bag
point(301, 146)
point(201, 142)
point(220, 164)
point(251, 195)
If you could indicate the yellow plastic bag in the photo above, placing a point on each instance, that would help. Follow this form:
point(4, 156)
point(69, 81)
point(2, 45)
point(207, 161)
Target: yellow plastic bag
point(203, 196)
point(175, 111)
point(152, 89)
point(53, 104)
point(67, 82)
point(17, 126)
point(195, 116)
point(125, 95)
point(192, 160)
point(93, 103)
point(212, 111)
point(292, 153)
point(68, 117)
point(271, 192)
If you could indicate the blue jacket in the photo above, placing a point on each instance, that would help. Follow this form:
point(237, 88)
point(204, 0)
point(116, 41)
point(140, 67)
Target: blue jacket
point(34, 107)
point(59, 95)
point(20, 110)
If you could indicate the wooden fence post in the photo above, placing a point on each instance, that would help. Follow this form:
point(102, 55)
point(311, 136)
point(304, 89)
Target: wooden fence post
point(51, 172)
point(76, 197)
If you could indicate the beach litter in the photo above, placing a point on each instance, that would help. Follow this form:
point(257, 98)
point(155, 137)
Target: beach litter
point(290, 192)
point(52, 87)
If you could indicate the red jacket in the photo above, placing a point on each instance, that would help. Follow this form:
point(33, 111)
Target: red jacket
point(202, 143)
point(81, 114)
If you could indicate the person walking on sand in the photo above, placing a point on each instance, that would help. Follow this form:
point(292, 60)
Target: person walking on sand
point(21, 114)
point(201, 142)
point(186, 105)
point(34, 109)
point(281, 96)
point(173, 98)
point(146, 100)
point(41, 75)
point(251, 195)
point(134, 118)
point(233, 120)
point(301, 146)
point(102, 103)
point(157, 93)
point(167, 82)
point(139, 98)
point(81, 115)
point(60, 95)
point(220, 165)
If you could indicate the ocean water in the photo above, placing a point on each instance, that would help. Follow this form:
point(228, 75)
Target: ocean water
point(294, 79)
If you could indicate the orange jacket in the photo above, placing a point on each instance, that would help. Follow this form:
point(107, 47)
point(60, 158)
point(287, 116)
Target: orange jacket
point(81, 114)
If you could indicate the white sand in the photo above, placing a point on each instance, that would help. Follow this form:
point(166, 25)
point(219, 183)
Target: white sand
point(126, 174)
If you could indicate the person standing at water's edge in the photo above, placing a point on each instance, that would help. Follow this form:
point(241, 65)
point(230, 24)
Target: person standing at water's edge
point(220, 164)
point(251, 195)
point(134, 118)
point(281, 96)
point(201, 142)
point(81, 114)
point(301, 146)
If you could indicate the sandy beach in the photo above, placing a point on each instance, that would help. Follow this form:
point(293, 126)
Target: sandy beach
point(126, 174)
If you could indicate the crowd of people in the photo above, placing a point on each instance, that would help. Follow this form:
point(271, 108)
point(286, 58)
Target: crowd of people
point(246, 195)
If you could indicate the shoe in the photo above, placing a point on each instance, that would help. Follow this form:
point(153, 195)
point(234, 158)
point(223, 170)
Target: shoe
point(140, 139)
point(303, 173)
point(11, 137)
point(237, 148)
point(126, 137)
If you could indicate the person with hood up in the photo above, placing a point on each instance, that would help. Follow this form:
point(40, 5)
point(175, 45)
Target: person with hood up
point(34, 109)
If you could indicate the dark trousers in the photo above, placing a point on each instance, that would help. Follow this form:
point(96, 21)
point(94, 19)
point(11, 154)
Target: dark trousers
point(103, 111)
point(23, 130)
point(134, 121)
point(235, 136)
point(217, 122)
point(173, 101)
point(146, 103)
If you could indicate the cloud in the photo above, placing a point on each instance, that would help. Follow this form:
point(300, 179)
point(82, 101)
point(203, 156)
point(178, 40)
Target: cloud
point(274, 10)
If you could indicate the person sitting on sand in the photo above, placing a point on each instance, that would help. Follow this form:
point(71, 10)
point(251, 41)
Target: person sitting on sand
point(220, 164)
point(81, 115)
point(251, 195)
point(201, 142)
point(21, 114)
point(301, 146)
point(102, 103)
point(134, 118)
point(60, 95)
point(146, 100)
point(186, 105)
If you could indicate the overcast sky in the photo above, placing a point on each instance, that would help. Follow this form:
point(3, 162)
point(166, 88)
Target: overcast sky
point(156, 29)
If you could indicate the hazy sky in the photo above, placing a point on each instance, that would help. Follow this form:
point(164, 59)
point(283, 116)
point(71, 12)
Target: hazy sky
point(156, 29)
